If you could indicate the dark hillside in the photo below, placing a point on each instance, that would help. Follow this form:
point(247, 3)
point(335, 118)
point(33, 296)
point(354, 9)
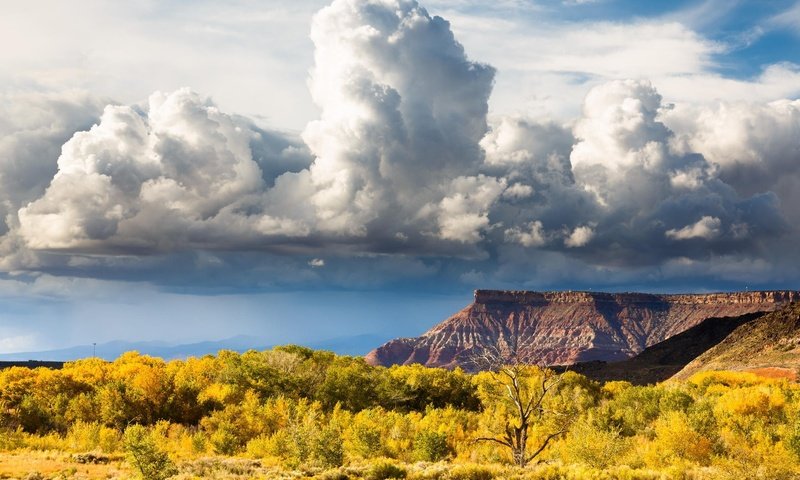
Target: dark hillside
point(663, 360)
point(771, 344)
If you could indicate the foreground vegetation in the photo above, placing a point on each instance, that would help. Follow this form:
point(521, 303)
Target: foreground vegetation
point(297, 413)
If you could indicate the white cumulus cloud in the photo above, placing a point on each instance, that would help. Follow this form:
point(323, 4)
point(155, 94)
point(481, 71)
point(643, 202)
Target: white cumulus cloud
point(707, 228)
point(317, 262)
point(533, 236)
point(579, 237)
point(403, 110)
point(464, 213)
point(179, 174)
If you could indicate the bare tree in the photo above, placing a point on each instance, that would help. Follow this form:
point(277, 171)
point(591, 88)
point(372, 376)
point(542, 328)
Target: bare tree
point(527, 387)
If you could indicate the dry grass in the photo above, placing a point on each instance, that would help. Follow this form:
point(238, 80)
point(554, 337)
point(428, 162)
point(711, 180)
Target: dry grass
point(769, 341)
point(775, 372)
point(26, 464)
point(39, 465)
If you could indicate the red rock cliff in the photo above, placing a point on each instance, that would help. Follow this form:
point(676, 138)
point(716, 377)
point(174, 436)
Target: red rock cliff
point(558, 328)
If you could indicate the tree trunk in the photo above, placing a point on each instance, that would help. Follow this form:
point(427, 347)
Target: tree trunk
point(520, 452)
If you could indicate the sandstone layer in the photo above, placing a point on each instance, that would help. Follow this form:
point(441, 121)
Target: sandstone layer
point(560, 328)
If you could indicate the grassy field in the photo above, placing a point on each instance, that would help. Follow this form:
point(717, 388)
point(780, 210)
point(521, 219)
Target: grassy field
point(33, 465)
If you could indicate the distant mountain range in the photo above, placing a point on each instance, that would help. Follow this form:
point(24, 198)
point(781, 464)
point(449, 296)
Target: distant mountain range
point(352, 345)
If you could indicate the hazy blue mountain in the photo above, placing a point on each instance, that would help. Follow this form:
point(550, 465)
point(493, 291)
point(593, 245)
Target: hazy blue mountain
point(356, 345)
point(352, 345)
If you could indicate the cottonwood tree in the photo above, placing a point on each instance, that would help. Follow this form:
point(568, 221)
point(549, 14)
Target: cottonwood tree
point(523, 399)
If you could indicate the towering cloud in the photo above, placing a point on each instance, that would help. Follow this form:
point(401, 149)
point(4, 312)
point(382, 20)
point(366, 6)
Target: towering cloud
point(755, 146)
point(621, 193)
point(396, 152)
point(646, 188)
point(179, 175)
point(402, 163)
point(403, 110)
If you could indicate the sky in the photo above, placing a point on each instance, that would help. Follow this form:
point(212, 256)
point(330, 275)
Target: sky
point(300, 170)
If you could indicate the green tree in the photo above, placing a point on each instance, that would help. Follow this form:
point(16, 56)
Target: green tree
point(145, 456)
point(351, 383)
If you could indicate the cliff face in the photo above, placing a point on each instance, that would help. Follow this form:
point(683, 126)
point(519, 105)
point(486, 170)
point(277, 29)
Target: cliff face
point(558, 328)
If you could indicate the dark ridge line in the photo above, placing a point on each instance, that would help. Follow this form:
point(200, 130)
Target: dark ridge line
point(32, 364)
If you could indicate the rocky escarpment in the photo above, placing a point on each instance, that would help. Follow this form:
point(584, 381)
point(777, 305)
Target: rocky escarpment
point(558, 328)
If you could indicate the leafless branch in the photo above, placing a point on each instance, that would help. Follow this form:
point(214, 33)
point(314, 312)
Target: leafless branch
point(491, 439)
point(508, 367)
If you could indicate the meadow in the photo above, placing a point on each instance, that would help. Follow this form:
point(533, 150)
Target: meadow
point(295, 413)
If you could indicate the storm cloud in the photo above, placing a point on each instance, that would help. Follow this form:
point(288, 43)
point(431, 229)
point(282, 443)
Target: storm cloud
point(403, 165)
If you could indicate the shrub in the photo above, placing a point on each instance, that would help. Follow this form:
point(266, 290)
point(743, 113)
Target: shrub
point(675, 439)
point(631, 411)
point(145, 456)
point(471, 472)
point(793, 440)
point(385, 470)
point(365, 439)
point(327, 449)
point(83, 436)
point(430, 446)
point(51, 441)
point(594, 446)
point(332, 475)
point(109, 440)
point(224, 440)
point(11, 439)
point(199, 442)
point(280, 446)
point(89, 436)
point(260, 447)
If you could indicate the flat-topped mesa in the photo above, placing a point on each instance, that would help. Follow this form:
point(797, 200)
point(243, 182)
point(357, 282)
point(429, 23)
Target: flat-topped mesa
point(564, 327)
point(524, 297)
point(776, 297)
